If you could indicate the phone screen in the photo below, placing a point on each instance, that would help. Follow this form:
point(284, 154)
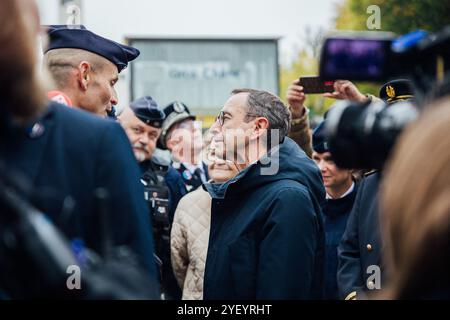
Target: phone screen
point(314, 85)
point(355, 59)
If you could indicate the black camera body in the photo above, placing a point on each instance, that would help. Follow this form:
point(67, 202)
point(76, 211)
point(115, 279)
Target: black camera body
point(361, 136)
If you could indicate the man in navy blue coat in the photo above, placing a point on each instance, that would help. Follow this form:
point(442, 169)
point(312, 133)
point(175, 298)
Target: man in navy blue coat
point(266, 237)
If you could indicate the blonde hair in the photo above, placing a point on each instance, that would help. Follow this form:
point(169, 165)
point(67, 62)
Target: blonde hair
point(415, 207)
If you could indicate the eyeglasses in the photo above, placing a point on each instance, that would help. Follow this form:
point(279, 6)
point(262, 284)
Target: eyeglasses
point(221, 117)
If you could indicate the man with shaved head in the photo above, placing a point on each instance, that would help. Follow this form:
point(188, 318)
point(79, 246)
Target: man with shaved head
point(85, 67)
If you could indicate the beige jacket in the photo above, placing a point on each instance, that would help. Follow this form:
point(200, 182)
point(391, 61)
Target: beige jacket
point(189, 242)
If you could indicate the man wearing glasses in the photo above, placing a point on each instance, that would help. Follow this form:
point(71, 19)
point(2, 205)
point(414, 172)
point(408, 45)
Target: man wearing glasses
point(266, 237)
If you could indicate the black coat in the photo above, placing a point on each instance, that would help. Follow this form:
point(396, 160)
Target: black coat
point(74, 155)
point(361, 245)
point(266, 238)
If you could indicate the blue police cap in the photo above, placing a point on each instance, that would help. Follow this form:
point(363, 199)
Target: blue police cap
point(78, 37)
point(147, 111)
point(319, 139)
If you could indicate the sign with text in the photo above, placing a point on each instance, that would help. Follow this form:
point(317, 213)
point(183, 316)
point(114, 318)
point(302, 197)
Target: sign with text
point(202, 73)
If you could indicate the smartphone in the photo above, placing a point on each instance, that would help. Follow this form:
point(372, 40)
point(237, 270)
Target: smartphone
point(316, 85)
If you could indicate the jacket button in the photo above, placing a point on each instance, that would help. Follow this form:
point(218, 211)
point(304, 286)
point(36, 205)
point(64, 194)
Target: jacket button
point(369, 247)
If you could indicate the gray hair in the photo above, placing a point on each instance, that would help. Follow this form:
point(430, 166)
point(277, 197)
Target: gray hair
point(265, 104)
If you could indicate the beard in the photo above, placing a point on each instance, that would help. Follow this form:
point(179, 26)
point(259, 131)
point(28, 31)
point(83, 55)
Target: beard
point(140, 152)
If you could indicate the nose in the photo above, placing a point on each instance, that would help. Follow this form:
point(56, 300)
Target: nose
point(322, 166)
point(215, 128)
point(144, 139)
point(114, 99)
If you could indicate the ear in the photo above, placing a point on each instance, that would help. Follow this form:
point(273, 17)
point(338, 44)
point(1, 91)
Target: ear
point(261, 126)
point(84, 74)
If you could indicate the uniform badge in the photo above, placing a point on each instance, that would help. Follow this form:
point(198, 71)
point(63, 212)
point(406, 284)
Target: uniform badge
point(37, 130)
point(390, 91)
point(178, 107)
point(187, 175)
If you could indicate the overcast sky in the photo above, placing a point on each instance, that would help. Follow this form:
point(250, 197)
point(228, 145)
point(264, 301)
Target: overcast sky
point(287, 19)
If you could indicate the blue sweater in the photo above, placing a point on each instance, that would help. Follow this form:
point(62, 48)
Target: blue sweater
point(335, 215)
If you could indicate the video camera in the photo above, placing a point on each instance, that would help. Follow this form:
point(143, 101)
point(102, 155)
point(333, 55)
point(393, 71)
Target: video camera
point(362, 135)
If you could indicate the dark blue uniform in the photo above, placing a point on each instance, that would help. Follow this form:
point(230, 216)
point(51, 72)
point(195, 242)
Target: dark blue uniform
point(164, 189)
point(69, 154)
point(361, 244)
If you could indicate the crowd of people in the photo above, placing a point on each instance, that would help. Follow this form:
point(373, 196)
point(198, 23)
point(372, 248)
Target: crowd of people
point(254, 208)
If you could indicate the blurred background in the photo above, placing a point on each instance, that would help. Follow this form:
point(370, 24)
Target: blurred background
point(197, 51)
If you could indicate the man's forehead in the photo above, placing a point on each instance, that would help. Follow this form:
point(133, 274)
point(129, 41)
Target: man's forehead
point(107, 65)
point(236, 102)
point(321, 154)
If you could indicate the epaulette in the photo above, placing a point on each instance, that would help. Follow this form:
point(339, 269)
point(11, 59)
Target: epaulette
point(371, 172)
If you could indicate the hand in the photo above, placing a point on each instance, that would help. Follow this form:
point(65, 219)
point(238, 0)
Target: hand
point(296, 98)
point(346, 90)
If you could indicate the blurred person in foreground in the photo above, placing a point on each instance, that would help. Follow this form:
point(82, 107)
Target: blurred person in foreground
point(65, 154)
point(415, 209)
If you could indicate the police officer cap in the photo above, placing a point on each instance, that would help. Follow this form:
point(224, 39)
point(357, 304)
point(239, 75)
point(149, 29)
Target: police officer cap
point(147, 111)
point(78, 37)
point(319, 139)
point(175, 112)
point(396, 90)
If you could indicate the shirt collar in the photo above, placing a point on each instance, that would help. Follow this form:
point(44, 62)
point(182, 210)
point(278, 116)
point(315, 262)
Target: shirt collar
point(350, 190)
